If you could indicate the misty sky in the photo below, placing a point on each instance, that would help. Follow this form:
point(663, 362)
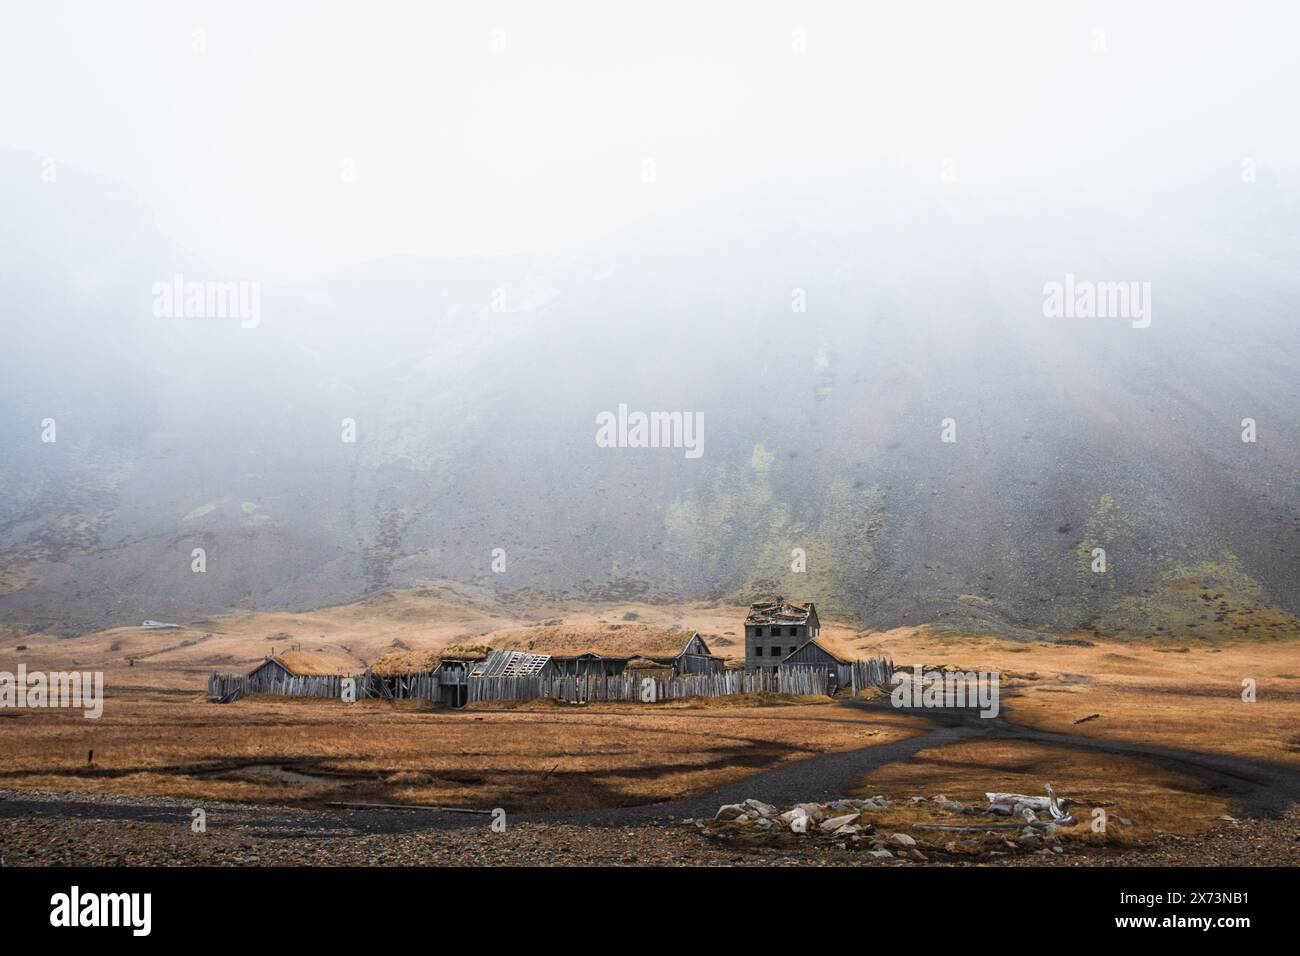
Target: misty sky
point(502, 127)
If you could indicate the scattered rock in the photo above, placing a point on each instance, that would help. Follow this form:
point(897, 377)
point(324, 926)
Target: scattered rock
point(832, 824)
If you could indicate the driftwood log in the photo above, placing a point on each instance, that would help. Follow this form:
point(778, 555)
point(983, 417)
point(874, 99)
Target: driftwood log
point(977, 827)
point(402, 806)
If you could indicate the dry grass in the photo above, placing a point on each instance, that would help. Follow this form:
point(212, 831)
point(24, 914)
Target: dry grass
point(156, 737)
point(1173, 693)
point(535, 756)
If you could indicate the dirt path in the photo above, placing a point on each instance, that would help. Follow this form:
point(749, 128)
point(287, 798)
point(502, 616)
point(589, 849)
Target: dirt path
point(1258, 788)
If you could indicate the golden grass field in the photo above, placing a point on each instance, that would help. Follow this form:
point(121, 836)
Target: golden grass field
point(536, 756)
point(1169, 692)
point(159, 735)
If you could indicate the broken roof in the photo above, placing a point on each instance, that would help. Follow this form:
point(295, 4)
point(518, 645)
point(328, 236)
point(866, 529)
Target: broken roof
point(779, 611)
point(511, 664)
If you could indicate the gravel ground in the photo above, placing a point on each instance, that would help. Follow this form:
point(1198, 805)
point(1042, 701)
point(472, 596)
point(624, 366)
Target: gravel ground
point(243, 836)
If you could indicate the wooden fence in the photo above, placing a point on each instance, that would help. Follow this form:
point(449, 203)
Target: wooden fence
point(628, 686)
point(637, 687)
point(234, 686)
point(873, 672)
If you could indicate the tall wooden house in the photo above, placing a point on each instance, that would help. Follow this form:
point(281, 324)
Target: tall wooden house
point(776, 629)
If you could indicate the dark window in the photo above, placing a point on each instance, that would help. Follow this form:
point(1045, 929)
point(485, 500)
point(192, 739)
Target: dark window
point(794, 631)
point(758, 652)
point(758, 632)
point(793, 649)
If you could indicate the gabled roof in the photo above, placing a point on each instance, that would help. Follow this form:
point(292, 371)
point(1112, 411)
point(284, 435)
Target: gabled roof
point(823, 646)
point(608, 641)
point(317, 663)
point(779, 611)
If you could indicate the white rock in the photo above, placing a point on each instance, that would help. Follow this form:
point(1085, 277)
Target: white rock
point(763, 809)
point(796, 820)
point(814, 810)
point(901, 839)
point(729, 811)
point(881, 854)
point(834, 823)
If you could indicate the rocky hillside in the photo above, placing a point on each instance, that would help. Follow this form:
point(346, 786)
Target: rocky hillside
point(823, 346)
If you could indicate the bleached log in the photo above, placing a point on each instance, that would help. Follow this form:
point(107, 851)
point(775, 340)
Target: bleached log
point(1009, 800)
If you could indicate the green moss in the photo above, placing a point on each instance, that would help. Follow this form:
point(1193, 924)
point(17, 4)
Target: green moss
point(1207, 599)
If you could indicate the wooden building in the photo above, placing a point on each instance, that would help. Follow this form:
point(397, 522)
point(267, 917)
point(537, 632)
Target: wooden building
point(321, 662)
point(820, 653)
point(776, 629)
point(450, 667)
point(694, 658)
point(664, 647)
point(272, 668)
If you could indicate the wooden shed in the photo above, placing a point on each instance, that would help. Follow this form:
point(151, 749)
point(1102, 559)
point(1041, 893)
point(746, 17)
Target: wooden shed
point(693, 658)
point(322, 662)
point(821, 653)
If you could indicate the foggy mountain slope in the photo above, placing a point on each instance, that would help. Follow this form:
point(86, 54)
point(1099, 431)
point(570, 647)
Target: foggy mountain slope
point(475, 428)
